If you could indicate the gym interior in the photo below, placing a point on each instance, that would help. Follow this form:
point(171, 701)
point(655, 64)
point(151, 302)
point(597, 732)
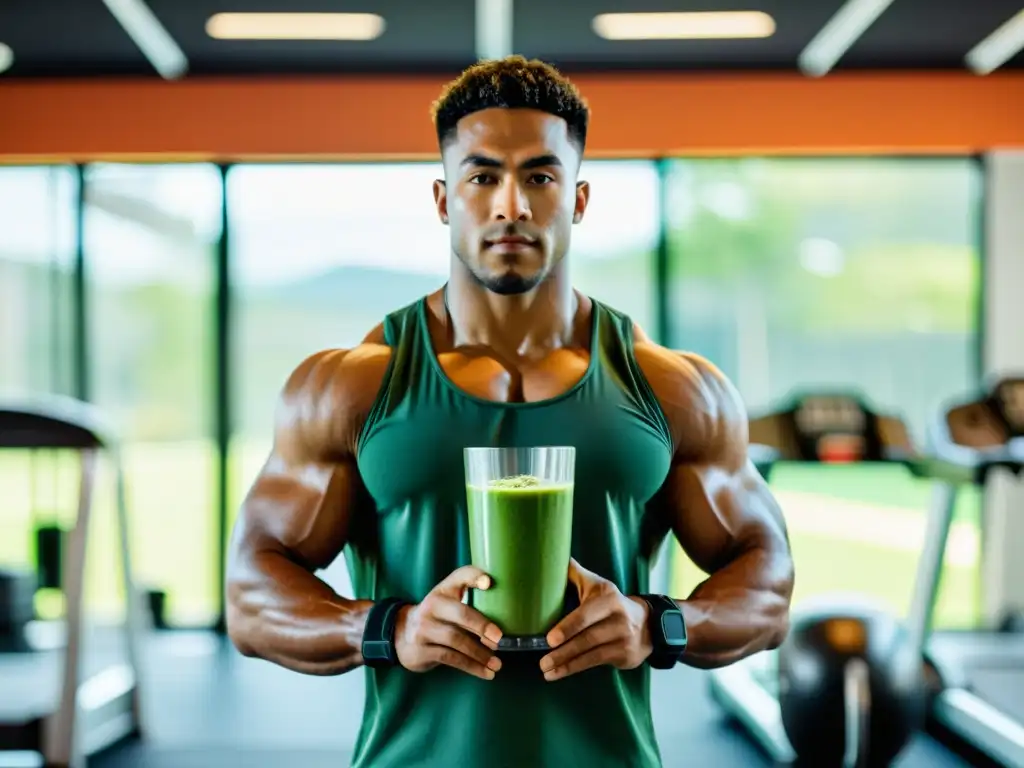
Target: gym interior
point(825, 198)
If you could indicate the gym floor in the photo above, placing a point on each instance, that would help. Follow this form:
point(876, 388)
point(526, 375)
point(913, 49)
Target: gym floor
point(208, 707)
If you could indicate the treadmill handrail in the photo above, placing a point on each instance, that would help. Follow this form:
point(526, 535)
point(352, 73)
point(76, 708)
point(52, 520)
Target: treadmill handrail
point(952, 470)
point(953, 459)
point(963, 465)
point(54, 421)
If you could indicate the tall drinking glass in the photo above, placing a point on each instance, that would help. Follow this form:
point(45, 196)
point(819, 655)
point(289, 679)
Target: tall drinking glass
point(520, 534)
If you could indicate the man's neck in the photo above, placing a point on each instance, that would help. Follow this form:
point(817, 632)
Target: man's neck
point(527, 325)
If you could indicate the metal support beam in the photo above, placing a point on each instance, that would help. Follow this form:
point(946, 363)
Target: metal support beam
point(150, 36)
point(223, 413)
point(493, 29)
point(1002, 578)
point(80, 315)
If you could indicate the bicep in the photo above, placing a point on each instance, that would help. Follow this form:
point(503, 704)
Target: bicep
point(718, 512)
point(302, 501)
point(717, 503)
point(301, 510)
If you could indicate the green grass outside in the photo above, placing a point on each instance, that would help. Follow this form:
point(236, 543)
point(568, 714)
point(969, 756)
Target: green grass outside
point(889, 486)
point(171, 493)
point(826, 565)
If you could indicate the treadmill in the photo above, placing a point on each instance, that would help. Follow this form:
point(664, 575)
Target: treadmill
point(978, 680)
point(823, 428)
point(62, 701)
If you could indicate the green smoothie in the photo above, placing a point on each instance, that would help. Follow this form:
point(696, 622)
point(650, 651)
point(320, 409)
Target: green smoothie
point(520, 533)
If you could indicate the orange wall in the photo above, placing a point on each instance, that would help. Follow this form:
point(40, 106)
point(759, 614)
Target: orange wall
point(634, 114)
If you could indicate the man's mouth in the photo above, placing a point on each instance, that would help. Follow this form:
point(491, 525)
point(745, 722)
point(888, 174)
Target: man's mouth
point(510, 243)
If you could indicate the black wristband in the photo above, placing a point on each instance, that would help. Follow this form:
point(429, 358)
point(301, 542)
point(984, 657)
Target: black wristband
point(379, 633)
point(668, 631)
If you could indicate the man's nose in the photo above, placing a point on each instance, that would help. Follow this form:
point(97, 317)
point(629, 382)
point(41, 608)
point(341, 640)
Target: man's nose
point(512, 203)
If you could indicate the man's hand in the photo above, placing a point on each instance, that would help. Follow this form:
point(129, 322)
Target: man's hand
point(608, 628)
point(443, 630)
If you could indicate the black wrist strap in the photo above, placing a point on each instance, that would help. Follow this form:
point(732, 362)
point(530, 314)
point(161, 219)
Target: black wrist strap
point(379, 633)
point(668, 631)
point(660, 603)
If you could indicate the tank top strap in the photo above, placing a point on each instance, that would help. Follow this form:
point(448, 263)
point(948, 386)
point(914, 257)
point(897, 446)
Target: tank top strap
point(402, 335)
point(618, 364)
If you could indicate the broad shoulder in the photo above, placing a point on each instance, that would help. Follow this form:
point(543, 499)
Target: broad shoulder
point(703, 408)
point(341, 381)
point(327, 397)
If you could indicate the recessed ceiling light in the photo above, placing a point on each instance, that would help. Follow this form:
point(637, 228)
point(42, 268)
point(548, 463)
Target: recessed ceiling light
point(6, 57)
point(295, 26)
point(684, 26)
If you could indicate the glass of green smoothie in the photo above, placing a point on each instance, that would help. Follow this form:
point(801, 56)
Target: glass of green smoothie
point(520, 534)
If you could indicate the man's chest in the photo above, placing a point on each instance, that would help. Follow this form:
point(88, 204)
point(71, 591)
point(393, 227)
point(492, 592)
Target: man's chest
point(515, 381)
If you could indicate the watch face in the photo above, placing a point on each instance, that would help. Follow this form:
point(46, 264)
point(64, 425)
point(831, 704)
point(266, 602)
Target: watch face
point(673, 627)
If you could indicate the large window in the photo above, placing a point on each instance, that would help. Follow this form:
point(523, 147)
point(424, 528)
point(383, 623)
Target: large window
point(787, 273)
point(321, 253)
point(613, 249)
point(150, 237)
point(37, 254)
point(860, 274)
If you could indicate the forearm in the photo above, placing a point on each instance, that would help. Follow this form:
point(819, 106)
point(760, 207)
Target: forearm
point(739, 610)
point(279, 611)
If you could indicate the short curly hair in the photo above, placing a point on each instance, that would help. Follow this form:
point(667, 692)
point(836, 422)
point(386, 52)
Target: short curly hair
point(511, 83)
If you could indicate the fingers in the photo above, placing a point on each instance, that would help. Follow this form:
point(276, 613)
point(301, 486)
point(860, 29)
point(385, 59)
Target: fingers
point(444, 630)
point(588, 584)
point(459, 580)
point(588, 614)
point(606, 631)
point(461, 615)
point(422, 642)
point(450, 657)
point(580, 576)
point(468, 646)
point(577, 573)
point(594, 657)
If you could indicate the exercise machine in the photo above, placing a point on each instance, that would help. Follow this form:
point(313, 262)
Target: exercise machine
point(979, 690)
point(67, 700)
point(822, 686)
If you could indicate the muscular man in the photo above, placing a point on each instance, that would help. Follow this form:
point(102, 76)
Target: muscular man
point(367, 459)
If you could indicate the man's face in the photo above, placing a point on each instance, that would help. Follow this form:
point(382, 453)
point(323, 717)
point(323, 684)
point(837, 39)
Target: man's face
point(511, 196)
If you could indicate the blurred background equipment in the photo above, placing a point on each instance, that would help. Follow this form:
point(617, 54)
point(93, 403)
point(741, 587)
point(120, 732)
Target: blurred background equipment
point(70, 686)
point(846, 688)
point(849, 685)
point(978, 675)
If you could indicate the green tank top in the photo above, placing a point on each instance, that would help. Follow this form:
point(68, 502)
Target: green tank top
point(411, 462)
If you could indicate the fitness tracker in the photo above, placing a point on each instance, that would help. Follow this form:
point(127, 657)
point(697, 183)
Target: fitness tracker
point(379, 633)
point(668, 631)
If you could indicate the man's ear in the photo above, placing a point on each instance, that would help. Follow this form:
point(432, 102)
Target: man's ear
point(582, 200)
point(441, 200)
